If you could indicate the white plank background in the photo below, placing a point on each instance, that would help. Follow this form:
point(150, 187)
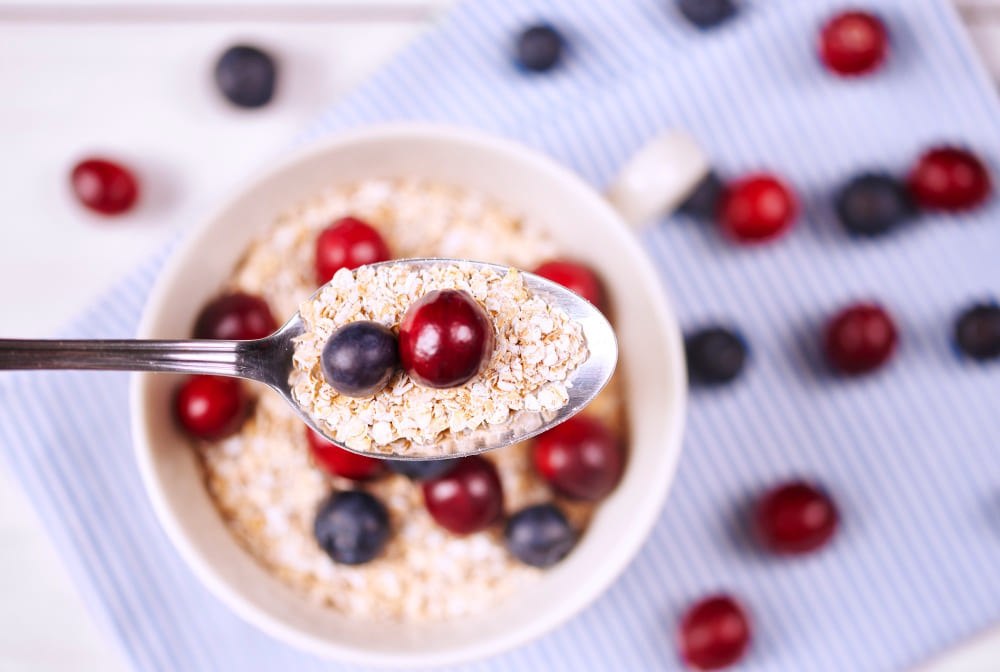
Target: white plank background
point(133, 80)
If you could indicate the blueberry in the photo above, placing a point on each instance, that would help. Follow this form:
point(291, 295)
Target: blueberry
point(245, 75)
point(538, 48)
point(420, 470)
point(703, 202)
point(977, 332)
point(539, 535)
point(352, 527)
point(360, 358)
point(715, 355)
point(872, 204)
point(707, 13)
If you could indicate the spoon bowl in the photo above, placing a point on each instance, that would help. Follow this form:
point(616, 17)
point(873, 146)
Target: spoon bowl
point(585, 383)
point(269, 360)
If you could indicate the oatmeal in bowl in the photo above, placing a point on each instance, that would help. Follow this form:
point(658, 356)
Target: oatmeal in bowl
point(407, 563)
point(381, 539)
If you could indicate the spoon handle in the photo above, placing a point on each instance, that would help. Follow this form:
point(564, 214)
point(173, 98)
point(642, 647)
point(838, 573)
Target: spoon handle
point(222, 358)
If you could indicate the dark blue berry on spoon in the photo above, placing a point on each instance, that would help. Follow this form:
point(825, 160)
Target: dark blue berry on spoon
point(539, 48)
point(359, 358)
point(352, 527)
point(245, 75)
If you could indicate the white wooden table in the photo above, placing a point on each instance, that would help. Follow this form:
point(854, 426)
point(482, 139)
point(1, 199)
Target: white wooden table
point(133, 80)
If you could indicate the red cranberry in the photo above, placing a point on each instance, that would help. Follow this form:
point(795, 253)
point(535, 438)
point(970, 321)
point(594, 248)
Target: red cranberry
point(757, 208)
point(714, 633)
point(445, 339)
point(348, 243)
point(235, 317)
point(860, 338)
point(105, 187)
point(339, 462)
point(948, 178)
point(853, 43)
point(577, 278)
point(467, 498)
point(211, 407)
point(794, 518)
point(580, 458)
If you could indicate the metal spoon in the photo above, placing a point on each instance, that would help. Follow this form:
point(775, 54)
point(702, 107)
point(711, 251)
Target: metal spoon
point(269, 361)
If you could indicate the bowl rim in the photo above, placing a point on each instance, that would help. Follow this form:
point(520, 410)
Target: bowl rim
point(619, 557)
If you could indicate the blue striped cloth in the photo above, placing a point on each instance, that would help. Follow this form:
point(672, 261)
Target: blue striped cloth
point(910, 453)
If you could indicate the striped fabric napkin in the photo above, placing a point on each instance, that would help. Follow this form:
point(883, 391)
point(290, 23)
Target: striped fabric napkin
point(910, 453)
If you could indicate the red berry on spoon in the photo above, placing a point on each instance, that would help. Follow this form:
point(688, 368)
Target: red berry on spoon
point(235, 317)
point(445, 339)
point(106, 187)
point(714, 633)
point(576, 278)
point(860, 338)
point(757, 208)
point(580, 458)
point(339, 462)
point(211, 407)
point(467, 498)
point(853, 43)
point(949, 178)
point(348, 243)
point(794, 518)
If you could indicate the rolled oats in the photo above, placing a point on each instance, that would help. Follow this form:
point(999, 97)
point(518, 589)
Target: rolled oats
point(263, 482)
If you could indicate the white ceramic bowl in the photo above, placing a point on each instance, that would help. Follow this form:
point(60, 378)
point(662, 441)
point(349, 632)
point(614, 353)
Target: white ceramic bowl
point(651, 363)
